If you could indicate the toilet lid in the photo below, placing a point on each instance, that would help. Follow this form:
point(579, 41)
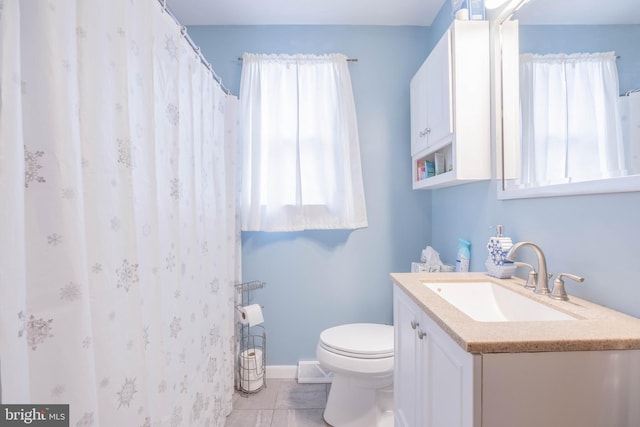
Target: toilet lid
point(359, 339)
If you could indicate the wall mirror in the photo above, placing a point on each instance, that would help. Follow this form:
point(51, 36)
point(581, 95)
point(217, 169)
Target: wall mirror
point(570, 97)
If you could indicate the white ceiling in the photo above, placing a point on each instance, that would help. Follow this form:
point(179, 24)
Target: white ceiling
point(387, 12)
point(303, 12)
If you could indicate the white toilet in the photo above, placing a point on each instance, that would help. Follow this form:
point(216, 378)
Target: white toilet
point(360, 355)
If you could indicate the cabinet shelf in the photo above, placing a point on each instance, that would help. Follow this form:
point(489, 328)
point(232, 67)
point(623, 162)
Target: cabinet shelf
point(434, 182)
point(433, 167)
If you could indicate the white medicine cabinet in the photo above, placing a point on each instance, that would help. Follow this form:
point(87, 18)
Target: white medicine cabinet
point(450, 109)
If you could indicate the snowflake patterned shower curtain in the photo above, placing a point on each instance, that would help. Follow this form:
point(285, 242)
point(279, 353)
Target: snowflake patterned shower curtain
point(118, 233)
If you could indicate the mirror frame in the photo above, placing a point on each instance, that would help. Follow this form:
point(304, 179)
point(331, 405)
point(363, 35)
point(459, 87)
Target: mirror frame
point(505, 100)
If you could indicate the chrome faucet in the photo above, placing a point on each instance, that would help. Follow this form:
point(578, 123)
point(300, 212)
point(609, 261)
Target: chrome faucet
point(532, 277)
point(559, 292)
point(542, 282)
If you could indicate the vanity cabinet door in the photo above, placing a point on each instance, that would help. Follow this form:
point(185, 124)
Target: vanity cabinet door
point(407, 383)
point(435, 381)
point(452, 380)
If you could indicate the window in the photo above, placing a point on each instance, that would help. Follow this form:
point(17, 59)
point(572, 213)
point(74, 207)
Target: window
point(571, 129)
point(301, 157)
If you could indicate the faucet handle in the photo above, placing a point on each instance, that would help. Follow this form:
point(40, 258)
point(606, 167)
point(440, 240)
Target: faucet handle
point(559, 292)
point(532, 277)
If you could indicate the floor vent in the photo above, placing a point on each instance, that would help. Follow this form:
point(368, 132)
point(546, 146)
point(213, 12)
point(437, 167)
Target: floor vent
point(310, 372)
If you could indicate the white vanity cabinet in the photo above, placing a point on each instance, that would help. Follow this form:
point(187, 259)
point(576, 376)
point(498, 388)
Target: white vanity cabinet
point(450, 109)
point(439, 384)
point(435, 381)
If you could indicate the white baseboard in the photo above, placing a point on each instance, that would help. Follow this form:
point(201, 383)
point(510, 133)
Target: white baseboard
point(282, 372)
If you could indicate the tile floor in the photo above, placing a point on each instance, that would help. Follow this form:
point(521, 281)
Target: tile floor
point(283, 403)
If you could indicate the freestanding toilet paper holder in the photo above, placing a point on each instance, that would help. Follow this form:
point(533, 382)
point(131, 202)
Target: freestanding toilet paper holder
point(251, 346)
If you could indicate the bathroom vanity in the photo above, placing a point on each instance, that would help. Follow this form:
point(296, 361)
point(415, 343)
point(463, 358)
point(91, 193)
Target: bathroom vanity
point(547, 363)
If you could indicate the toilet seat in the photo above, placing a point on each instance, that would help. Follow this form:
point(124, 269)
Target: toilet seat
point(360, 355)
point(359, 340)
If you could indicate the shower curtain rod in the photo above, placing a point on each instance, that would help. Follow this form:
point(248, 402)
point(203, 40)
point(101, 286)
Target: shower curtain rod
point(348, 59)
point(195, 47)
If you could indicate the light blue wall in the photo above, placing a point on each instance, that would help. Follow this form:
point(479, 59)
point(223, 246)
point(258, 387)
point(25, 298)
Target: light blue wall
point(440, 24)
point(318, 279)
point(595, 236)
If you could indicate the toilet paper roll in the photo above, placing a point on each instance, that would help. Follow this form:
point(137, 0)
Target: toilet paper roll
point(251, 315)
point(251, 369)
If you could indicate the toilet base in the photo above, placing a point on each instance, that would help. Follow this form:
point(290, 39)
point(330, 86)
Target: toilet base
point(367, 406)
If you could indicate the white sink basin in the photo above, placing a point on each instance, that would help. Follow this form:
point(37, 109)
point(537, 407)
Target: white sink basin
point(490, 302)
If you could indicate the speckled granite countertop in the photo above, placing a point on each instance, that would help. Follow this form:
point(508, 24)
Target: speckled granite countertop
point(595, 328)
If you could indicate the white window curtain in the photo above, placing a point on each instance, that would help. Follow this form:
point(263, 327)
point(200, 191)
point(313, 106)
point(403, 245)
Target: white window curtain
point(119, 243)
point(571, 129)
point(301, 157)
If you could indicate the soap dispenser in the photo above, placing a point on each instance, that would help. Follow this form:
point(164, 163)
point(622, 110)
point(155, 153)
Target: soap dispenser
point(498, 247)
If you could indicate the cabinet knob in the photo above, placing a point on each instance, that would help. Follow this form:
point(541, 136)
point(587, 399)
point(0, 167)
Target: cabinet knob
point(421, 334)
point(414, 324)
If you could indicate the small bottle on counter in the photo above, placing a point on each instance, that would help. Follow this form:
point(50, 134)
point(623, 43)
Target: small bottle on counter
point(464, 256)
